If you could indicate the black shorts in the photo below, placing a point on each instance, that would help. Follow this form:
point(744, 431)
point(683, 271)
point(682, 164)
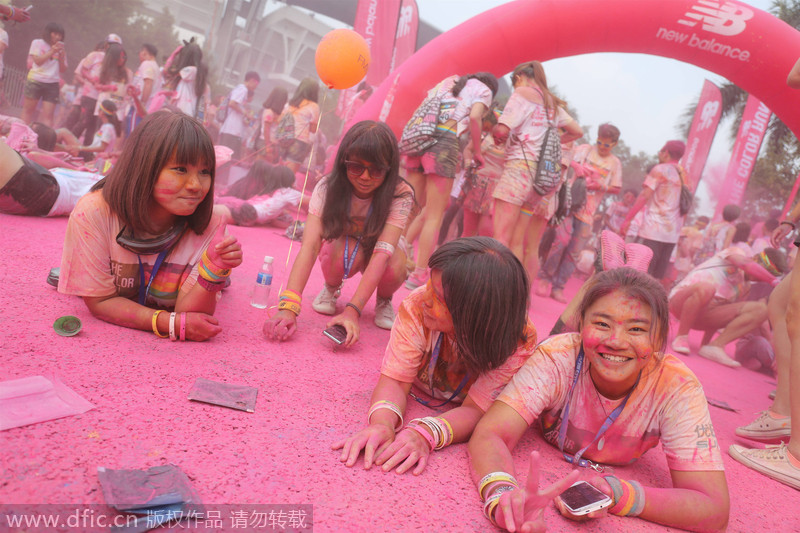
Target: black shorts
point(32, 191)
point(661, 254)
point(297, 152)
point(48, 92)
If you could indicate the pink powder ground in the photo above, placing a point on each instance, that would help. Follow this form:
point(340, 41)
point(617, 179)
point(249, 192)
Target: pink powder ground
point(310, 394)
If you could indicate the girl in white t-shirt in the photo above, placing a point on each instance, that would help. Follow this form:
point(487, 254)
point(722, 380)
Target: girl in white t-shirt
point(465, 99)
point(525, 119)
point(47, 60)
point(105, 138)
point(355, 220)
point(263, 196)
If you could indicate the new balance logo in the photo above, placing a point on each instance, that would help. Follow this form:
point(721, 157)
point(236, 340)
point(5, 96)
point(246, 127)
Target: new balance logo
point(722, 18)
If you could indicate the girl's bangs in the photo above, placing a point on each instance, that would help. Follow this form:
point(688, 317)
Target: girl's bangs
point(369, 146)
point(193, 147)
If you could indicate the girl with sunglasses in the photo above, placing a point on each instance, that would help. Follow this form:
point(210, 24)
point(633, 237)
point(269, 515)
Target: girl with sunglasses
point(459, 339)
point(145, 241)
point(355, 219)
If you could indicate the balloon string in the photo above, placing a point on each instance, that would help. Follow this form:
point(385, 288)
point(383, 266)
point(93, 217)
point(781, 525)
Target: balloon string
point(303, 190)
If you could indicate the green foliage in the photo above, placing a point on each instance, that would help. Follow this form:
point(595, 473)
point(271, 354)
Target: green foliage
point(634, 166)
point(88, 22)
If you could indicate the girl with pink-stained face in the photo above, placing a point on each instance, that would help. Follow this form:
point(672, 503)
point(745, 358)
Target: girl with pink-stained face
point(144, 248)
point(605, 396)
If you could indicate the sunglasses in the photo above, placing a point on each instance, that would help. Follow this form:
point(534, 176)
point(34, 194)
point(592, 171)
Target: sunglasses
point(153, 246)
point(605, 145)
point(354, 170)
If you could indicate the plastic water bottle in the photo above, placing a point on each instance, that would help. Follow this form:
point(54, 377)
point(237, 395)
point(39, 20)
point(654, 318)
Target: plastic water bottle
point(263, 284)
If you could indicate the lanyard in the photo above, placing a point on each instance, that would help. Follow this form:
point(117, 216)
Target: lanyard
point(562, 430)
point(145, 290)
point(349, 258)
point(431, 366)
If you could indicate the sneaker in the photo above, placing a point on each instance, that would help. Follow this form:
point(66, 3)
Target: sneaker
point(680, 344)
point(325, 302)
point(766, 428)
point(612, 250)
point(772, 461)
point(558, 295)
point(718, 355)
point(542, 288)
point(384, 314)
point(417, 279)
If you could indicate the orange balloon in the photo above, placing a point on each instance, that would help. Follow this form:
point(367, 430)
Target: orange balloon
point(342, 59)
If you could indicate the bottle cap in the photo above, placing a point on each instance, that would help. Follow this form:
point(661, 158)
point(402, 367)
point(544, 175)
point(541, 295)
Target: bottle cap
point(268, 259)
point(67, 326)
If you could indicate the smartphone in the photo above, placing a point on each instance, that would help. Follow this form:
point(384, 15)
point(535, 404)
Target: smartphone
point(336, 333)
point(582, 498)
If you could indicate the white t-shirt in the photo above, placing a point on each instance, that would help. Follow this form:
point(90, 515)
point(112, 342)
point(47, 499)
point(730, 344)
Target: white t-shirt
point(48, 71)
point(458, 107)
point(662, 220)
point(4, 40)
point(234, 121)
point(105, 134)
point(148, 70)
point(527, 120)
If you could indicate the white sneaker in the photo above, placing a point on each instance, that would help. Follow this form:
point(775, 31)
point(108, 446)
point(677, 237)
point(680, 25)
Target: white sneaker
point(718, 355)
point(325, 302)
point(384, 314)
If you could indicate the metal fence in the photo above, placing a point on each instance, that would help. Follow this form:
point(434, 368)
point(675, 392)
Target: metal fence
point(13, 88)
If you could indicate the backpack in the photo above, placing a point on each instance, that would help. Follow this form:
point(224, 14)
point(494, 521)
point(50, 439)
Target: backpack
point(548, 168)
point(419, 132)
point(284, 130)
point(222, 110)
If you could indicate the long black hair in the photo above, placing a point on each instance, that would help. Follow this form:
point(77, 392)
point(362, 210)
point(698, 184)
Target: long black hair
point(486, 78)
point(486, 290)
point(375, 143)
point(262, 178)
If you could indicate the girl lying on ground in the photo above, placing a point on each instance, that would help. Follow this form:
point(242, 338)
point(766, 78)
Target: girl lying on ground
point(145, 239)
point(263, 196)
point(355, 219)
point(578, 385)
point(459, 338)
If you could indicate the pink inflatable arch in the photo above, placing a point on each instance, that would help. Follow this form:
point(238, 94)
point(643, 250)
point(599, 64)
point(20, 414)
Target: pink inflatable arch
point(749, 47)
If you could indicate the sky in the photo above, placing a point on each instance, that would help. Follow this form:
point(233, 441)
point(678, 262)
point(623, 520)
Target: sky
point(643, 95)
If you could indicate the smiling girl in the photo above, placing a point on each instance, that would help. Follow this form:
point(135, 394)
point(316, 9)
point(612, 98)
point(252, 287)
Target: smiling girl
point(145, 239)
point(607, 395)
point(355, 219)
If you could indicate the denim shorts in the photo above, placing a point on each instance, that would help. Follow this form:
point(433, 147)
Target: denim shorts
point(31, 191)
point(48, 92)
point(442, 159)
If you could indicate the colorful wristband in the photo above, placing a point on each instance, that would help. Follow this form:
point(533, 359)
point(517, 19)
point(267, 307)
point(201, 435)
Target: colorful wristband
point(291, 295)
point(289, 305)
point(210, 286)
point(155, 324)
point(430, 439)
point(491, 478)
point(213, 268)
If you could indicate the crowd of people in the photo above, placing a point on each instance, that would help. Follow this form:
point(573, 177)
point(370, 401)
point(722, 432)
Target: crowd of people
point(146, 248)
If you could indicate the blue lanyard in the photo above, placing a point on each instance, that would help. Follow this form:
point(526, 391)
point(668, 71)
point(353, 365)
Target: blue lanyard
point(431, 366)
point(349, 258)
point(562, 430)
point(145, 290)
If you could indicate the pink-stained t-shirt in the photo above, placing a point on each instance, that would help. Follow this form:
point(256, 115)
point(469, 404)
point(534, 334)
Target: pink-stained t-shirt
point(408, 355)
point(662, 220)
point(668, 406)
point(304, 116)
point(609, 168)
point(94, 265)
point(527, 119)
point(359, 207)
point(459, 107)
point(727, 278)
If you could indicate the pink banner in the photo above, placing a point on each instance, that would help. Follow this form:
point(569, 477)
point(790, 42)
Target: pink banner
point(701, 134)
point(745, 152)
point(405, 42)
point(376, 21)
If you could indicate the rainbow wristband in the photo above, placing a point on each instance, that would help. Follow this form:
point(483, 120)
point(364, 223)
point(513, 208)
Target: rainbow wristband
point(291, 295)
point(629, 497)
point(493, 477)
